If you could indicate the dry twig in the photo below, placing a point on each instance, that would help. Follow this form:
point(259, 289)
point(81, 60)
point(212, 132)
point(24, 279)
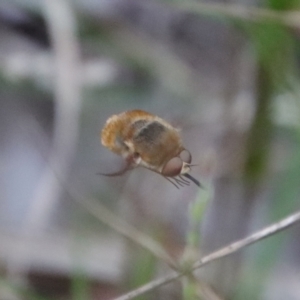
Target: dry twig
point(234, 247)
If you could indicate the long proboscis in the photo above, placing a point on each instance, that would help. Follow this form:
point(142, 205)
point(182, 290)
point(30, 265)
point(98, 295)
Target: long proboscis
point(191, 178)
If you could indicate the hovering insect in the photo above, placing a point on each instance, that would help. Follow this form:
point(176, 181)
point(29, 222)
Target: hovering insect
point(146, 140)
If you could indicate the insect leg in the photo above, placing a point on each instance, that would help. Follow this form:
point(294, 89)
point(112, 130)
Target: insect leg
point(184, 180)
point(172, 182)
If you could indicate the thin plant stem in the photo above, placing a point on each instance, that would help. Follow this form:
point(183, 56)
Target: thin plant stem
point(225, 251)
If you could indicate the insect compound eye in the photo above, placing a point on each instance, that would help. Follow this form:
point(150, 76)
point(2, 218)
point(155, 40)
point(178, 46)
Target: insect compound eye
point(173, 167)
point(185, 156)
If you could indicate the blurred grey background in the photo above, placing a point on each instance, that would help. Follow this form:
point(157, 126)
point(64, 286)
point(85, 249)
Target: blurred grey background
point(227, 76)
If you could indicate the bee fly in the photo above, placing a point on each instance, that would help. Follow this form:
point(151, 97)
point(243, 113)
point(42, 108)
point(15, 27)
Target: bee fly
point(146, 140)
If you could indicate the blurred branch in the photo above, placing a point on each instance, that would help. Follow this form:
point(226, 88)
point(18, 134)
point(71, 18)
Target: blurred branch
point(40, 68)
point(231, 248)
point(67, 89)
point(107, 217)
point(242, 12)
point(259, 136)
